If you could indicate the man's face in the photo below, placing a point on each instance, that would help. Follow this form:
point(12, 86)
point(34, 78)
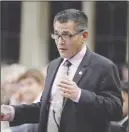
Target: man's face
point(125, 103)
point(68, 47)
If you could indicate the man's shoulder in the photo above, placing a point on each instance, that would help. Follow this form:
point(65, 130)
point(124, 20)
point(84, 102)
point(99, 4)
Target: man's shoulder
point(101, 60)
point(55, 60)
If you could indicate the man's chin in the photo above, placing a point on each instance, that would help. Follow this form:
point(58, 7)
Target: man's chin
point(64, 56)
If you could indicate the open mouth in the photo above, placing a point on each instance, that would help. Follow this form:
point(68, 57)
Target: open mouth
point(62, 49)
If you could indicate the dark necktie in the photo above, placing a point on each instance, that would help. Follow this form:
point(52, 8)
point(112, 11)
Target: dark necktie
point(67, 64)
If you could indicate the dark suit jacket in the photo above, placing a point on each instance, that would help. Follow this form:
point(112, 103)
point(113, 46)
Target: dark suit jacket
point(100, 100)
point(115, 127)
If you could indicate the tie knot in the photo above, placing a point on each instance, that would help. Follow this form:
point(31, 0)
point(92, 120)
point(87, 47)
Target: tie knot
point(67, 63)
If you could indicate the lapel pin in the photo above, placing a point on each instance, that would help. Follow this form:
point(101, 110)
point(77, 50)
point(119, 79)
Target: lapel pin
point(80, 73)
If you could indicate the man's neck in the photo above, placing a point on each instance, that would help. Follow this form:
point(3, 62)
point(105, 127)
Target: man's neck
point(84, 44)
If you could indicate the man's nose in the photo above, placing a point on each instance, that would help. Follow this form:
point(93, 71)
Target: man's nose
point(61, 41)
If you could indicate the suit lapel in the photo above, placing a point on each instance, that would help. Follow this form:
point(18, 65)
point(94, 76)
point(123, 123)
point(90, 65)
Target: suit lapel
point(82, 67)
point(50, 78)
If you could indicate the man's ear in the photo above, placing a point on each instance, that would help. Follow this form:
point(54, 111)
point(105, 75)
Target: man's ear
point(85, 35)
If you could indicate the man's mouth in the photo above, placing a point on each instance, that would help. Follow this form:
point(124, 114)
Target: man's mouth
point(62, 49)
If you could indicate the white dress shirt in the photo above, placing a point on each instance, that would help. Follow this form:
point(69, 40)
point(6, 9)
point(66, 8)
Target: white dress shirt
point(75, 61)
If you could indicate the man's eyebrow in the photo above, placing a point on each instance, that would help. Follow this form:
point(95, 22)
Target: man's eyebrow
point(64, 32)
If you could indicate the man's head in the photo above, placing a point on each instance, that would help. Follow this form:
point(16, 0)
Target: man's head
point(70, 32)
point(125, 88)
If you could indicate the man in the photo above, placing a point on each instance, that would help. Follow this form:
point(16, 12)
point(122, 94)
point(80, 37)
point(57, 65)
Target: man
point(91, 95)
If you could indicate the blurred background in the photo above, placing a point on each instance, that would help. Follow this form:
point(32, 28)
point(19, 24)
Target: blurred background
point(26, 28)
point(27, 48)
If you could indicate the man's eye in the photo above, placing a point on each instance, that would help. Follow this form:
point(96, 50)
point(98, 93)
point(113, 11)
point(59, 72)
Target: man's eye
point(56, 33)
point(66, 34)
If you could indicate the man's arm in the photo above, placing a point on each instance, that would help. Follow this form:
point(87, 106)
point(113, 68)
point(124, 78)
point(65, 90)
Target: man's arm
point(26, 114)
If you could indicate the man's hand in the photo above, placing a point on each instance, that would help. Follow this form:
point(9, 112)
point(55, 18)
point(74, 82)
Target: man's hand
point(69, 89)
point(7, 113)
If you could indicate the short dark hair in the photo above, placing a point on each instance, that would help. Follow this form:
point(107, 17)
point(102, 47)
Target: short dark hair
point(125, 86)
point(77, 16)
